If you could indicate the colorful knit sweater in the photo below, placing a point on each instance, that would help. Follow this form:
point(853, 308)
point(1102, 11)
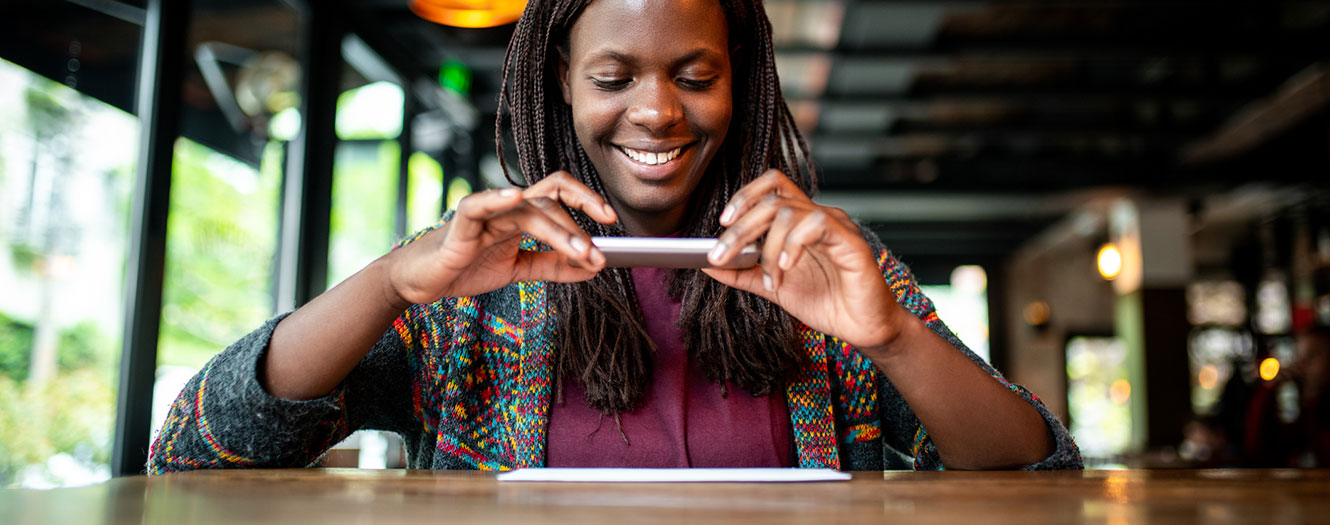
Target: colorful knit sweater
point(467, 383)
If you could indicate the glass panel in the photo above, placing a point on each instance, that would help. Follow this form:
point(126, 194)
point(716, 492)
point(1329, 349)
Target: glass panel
point(66, 172)
point(221, 236)
point(240, 105)
point(963, 306)
point(1098, 393)
point(364, 192)
point(424, 191)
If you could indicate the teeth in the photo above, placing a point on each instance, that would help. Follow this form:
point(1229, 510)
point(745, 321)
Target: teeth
point(647, 157)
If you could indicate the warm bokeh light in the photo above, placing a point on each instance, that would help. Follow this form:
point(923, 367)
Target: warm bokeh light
point(469, 13)
point(1037, 313)
point(1269, 368)
point(1208, 377)
point(1120, 391)
point(1110, 261)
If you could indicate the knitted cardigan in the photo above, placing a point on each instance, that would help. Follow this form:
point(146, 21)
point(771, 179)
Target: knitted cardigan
point(467, 384)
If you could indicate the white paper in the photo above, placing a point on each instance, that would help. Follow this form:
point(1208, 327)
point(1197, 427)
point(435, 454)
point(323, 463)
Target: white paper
point(674, 475)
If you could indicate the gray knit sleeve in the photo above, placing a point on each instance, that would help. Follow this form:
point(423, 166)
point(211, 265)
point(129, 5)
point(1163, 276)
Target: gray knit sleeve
point(901, 429)
point(224, 418)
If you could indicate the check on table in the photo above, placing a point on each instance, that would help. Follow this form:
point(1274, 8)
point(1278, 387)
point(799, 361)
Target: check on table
point(422, 496)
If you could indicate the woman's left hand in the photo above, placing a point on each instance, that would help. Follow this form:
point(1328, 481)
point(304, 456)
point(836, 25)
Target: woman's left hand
point(815, 264)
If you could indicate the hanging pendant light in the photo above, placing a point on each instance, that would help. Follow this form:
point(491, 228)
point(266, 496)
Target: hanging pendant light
point(469, 13)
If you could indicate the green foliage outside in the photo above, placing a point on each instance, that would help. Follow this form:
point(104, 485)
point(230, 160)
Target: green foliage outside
point(72, 414)
point(221, 240)
point(221, 236)
point(364, 192)
point(71, 208)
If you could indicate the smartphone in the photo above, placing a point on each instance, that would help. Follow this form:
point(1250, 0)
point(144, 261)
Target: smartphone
point(667, 252)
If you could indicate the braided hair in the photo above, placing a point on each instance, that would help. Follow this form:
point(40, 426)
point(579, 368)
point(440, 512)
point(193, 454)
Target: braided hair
point(736, 336)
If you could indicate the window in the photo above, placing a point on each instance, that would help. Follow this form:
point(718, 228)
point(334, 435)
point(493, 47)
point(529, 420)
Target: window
point(239, 110)
point(66, 169)
point(1098, 395)
point(963, 306)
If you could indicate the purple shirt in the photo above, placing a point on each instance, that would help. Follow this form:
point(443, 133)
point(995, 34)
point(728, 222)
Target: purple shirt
point(684, 421)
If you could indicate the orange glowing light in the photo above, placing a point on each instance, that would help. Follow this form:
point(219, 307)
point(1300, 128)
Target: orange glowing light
point(469, 13)
point(1208, 377)
point(1269, 368)
point(1120, 391)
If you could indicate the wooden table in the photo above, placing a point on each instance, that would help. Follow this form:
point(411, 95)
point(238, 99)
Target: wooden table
point(318, 496)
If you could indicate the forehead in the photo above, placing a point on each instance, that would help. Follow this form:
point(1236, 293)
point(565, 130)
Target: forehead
point(649, 28)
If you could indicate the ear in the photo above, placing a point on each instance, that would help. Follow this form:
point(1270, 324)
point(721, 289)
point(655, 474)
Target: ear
point(563, 75)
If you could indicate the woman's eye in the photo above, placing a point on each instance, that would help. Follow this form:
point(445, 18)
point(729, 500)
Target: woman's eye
point(696, 83)
point(610, 84)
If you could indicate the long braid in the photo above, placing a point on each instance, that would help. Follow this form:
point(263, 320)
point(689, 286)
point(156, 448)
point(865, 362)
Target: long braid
point(736, 336)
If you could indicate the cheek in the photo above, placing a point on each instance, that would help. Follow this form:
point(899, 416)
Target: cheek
point(715, 113)
point(593, 119)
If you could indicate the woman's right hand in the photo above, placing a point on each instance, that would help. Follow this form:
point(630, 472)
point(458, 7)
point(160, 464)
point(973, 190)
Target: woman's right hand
point(478, 250)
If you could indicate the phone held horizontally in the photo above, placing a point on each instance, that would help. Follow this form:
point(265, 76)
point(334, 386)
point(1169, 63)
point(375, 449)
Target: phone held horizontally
point(667, 252)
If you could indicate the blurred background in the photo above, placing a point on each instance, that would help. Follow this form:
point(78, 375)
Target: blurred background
point(1122, 203)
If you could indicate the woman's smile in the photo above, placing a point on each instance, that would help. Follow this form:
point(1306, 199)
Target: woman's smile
point(654, 163)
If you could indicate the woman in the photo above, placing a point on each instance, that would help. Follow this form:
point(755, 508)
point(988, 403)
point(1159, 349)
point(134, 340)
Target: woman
point(499, 340)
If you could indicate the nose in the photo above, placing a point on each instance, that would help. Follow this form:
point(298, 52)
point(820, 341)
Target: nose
point(655, 106)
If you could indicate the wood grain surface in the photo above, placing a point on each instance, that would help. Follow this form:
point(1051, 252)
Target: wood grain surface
point(319, 496)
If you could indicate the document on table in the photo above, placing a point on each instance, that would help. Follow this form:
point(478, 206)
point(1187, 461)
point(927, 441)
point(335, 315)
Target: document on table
point(674, 475)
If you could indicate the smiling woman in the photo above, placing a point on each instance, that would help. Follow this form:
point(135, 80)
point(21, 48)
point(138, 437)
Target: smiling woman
point(499, 339)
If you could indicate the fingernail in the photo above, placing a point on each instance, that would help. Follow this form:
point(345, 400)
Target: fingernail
point(597, 257)
point(766, 283)
point(783, 261)
point(727, 214)
point(609, 210)
point(509, 192)
point(578, 244)
point(718, 251)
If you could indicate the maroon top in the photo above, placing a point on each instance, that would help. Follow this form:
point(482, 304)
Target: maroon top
point(684, 421)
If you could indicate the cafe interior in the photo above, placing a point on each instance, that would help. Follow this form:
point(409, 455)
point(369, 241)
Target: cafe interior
point(1120, 204)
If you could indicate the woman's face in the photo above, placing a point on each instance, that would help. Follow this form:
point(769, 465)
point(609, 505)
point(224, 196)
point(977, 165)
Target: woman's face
point(649, 86)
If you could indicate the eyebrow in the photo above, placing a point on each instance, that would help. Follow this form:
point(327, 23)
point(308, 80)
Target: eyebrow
point(618, 56)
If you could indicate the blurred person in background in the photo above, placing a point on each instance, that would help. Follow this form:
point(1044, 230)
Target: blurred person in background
point(1304, 442)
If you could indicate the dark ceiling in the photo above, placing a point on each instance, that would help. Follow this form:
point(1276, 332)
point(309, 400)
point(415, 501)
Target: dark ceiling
point(958, 129)
point(955, 102)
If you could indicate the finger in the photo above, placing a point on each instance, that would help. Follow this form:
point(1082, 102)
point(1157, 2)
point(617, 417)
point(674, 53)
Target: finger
point(773, 181)
point(810, 231)
point(773, 247)
point(556, 213)
point(748, 280)
point(750, 227)
point(574, 244)
point(550, 266)
point(475, 209)
point(564, 188)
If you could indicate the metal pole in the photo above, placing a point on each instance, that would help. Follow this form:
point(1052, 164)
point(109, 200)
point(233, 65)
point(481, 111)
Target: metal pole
point(403, 173)
point(307, 190)
point(161, 65)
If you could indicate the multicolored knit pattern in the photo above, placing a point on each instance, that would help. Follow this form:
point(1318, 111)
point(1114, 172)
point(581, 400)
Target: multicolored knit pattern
point(492, 399)
point(809, 399)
